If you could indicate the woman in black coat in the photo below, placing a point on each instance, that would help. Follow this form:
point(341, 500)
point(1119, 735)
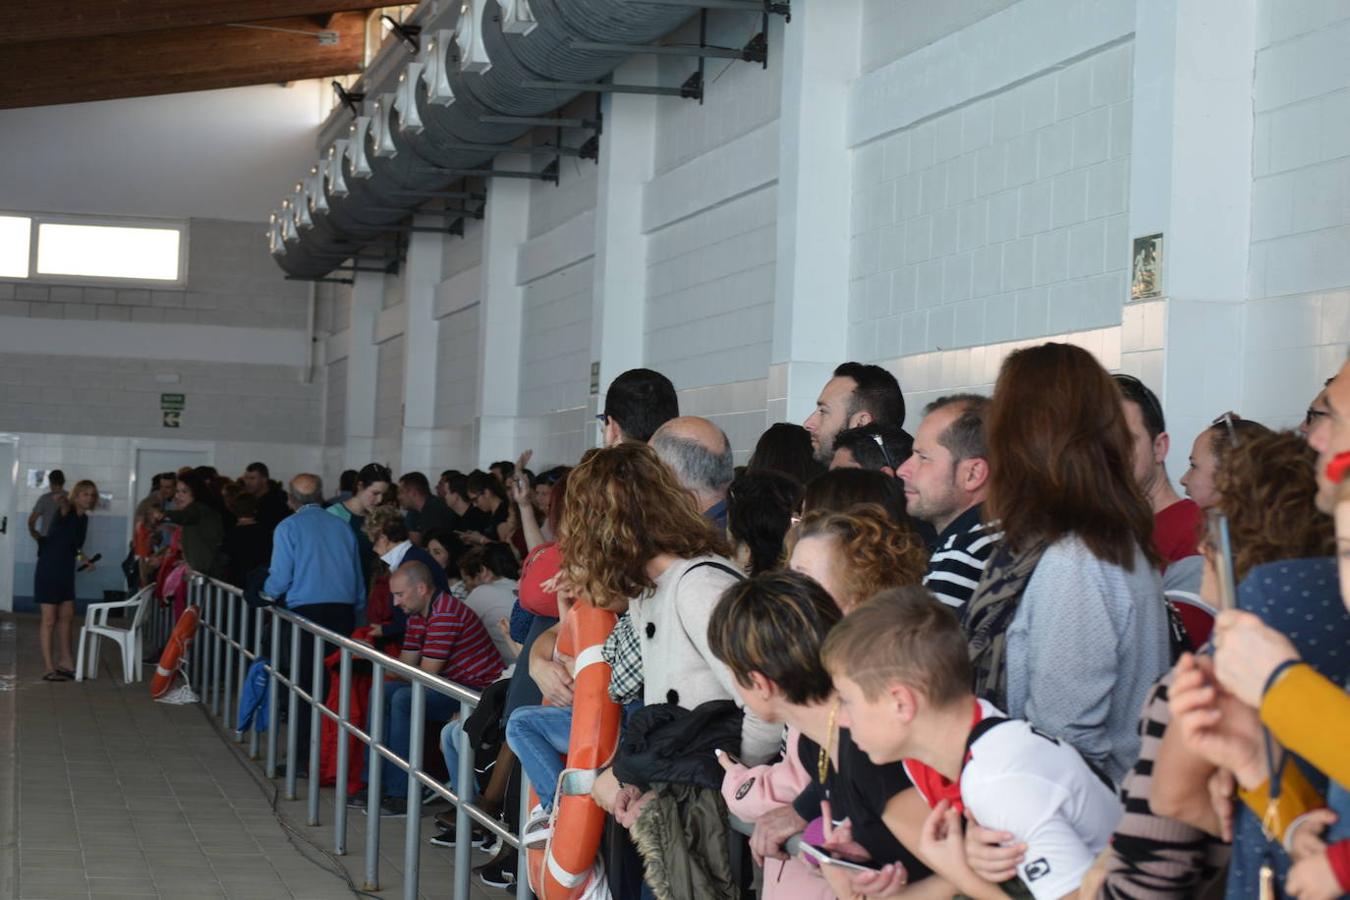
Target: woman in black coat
point(54, 580)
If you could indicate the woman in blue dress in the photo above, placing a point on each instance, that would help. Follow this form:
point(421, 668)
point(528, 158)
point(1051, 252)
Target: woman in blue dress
point(54, 581)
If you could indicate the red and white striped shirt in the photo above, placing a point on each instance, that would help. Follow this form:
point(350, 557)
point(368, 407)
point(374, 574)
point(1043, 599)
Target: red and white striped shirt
point(451, 631)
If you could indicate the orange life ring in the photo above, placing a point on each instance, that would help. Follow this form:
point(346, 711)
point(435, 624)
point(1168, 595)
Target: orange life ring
point(173, 652)
point(560, 870)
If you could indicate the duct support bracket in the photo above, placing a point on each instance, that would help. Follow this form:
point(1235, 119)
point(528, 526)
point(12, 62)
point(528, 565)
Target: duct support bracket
point(542, 121)
point(756, 50)
point(321, 280)
point(596, 87)
point(768, 7)
point(441, 195)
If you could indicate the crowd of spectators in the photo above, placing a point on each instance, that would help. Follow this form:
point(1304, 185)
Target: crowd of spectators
point(999, 655)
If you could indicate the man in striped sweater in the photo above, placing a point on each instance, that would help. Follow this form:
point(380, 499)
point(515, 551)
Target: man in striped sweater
point(443, 637)
point(945, 483)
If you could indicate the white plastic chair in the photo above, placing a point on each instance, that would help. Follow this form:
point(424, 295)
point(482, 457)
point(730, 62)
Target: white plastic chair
point(128, 638)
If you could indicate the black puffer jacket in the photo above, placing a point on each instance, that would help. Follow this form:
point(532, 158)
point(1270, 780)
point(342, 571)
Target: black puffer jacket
point(668, 744)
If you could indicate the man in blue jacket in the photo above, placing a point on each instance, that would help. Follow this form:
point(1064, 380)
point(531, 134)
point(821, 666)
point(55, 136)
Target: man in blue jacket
point(316, 565)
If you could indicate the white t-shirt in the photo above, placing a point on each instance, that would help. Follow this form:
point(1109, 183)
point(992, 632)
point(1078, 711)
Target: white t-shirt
point(1039, 789)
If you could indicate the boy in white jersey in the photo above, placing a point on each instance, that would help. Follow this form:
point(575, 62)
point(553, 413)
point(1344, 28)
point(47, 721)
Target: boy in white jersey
point(900, 663)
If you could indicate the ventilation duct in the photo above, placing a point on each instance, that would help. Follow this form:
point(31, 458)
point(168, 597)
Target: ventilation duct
point(493, 64)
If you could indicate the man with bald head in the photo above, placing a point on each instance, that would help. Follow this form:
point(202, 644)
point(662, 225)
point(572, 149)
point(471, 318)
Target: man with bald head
point(699, 454)
point(444, 637)
point(316, 570)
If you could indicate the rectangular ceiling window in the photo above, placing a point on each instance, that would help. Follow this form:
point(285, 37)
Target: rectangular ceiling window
point(108, 251)
point(15, 232)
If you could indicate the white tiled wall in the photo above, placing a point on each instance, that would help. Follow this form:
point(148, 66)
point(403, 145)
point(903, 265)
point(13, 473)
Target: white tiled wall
point(457, 369)
point(333, 308)
point(389, 400)
point(710, 283)
point(892, 28)
point(1298, 323)
point(738, 97)
point(999, 220)
point(335, 404)
point(556, 344)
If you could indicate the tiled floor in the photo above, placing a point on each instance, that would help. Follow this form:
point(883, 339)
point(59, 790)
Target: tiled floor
point(119, 796)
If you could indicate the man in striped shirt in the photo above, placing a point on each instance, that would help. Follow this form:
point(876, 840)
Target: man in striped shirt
point(443, 637)
point(946, 479)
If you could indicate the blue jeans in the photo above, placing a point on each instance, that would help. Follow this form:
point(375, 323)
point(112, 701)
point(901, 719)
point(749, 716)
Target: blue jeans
point(450, 736)
point(398, 730)
point(539, 735)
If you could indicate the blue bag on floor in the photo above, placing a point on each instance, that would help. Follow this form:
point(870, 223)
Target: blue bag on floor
point(253, 701)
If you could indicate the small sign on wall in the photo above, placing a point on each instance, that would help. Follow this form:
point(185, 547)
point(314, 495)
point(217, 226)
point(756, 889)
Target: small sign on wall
point(171, 408)
point(1146, 271)
point(595, 378)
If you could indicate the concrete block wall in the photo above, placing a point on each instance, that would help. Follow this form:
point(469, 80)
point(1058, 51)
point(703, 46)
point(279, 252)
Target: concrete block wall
point(335, 403)
point(710, 283)
point(1001, 219)
point(457, 369)
point(86, 395)
point(1297, 324)
point(892, 28)
point(389, 400)
point(231, 280)
point(738, 97)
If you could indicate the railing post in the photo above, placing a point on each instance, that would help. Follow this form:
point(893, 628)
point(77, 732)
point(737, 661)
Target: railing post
point(273, 712)
point(343, 753)
point(234, 688)
point(374, 779)
point(464, 787)
point(199, 646)
point(208, 647)
point(315, 729)
point(292, 713)
point(258, 619)
point(523, 891)
point(412, 824)
point(218, 654)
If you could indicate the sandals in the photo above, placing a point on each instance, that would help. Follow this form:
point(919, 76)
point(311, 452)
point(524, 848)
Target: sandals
point(56, 675)
point(69, 673)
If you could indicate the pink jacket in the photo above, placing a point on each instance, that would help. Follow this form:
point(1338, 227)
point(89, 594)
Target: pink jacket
point(752, 792)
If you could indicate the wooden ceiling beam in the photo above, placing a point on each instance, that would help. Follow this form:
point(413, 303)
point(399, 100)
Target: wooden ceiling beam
point(168, 62)
point(22, 23)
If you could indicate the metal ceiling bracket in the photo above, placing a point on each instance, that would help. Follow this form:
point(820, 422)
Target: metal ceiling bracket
point(603, 88)
point(541, 121)
point(772, 7)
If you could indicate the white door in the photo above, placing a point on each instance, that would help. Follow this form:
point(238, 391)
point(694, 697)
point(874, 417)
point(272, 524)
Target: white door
point(150, 463)
point(11, 523)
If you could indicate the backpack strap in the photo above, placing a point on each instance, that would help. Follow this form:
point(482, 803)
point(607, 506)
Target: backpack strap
point(712, 563)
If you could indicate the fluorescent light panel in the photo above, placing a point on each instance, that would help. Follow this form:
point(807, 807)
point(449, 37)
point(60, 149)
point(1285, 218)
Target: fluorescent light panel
point(15, 232)
point(108, 251)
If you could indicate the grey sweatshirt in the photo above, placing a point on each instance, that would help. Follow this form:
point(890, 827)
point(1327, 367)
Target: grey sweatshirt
point(1088, 640)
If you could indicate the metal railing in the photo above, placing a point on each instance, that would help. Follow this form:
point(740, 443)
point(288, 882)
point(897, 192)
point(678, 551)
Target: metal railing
point(217, 664)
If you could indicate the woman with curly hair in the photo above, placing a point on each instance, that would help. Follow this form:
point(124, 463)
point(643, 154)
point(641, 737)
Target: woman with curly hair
point(1286, 578)
point(857, 554)
point(633, 539)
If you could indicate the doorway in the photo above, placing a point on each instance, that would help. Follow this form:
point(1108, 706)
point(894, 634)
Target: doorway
point(150, 462)
point(10, 524)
